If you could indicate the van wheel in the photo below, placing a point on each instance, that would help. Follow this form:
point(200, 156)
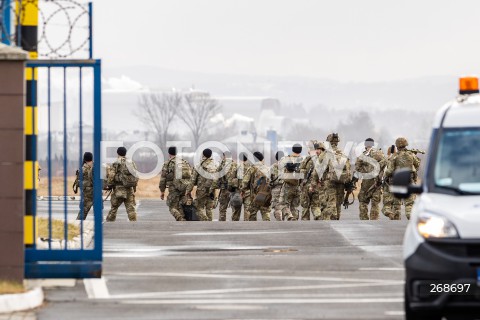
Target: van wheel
point(415, 315)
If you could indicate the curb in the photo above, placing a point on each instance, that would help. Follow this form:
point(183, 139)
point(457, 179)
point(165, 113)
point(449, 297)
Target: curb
point(21, 301)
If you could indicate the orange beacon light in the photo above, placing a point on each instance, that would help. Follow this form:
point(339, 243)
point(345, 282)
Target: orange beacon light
point(468, 85)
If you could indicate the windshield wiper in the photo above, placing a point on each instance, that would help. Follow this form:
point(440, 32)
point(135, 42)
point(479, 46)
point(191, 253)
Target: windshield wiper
point(457, 190)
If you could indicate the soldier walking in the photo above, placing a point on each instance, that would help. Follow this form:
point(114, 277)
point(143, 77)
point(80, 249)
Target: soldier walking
point(290, 192)
point(370, 190)
point(403, 159)
point(235, 183)
point(306, 168)
point(175, 176)
point(224, 194)
point(256, 187)
point(388, 198)
point(86, 185)
point(203, 178)
point(315, 183)
point(122, 178)
point(339, 174)
point(276, 182)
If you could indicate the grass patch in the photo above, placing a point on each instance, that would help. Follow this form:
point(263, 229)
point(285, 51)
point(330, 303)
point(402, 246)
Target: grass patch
point(57, 229)
point(8, 287)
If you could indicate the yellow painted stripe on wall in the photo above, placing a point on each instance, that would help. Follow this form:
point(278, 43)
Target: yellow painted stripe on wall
point(28, 229)
point(31, 120)
point(27, 10)
point(30, 175)
point(29, 72)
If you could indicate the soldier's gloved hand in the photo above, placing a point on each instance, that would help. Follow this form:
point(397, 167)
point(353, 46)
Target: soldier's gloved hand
point(134, 189)
point(162, 195)
point(212, 195)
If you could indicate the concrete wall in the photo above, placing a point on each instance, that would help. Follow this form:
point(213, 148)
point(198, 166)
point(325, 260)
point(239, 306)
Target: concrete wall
point(12, 102)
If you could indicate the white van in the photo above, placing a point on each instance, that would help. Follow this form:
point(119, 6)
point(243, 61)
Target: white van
point(442, 242)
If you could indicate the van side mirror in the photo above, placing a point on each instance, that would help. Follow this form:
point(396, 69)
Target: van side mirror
point(401, 187)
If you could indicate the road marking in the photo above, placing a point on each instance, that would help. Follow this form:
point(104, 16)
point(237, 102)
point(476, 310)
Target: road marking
point(240, 290)
point(394, 313)
point(230, 307)
point(229, 233)
point(381, 269)
point(263, 301)
point(96, 288)
point(253, 277)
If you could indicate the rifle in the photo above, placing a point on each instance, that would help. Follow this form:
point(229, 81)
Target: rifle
point(76, 182)
point(374, 187)
point(108, 195)
point(416, 151)
point(350, 187)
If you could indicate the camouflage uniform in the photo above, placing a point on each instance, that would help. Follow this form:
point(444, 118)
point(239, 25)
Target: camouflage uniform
point(403, 159)
point(276, 182)
point(335, 190)
point(121, 194)
point(87, 190)
point(235, 182)
point(205, 188)
point(323, 203)
point(290, 192)
point(224, 195)
point(388, 198)
point(250, 189)
point(306, 168)
point(176, 185)
point(370, 190)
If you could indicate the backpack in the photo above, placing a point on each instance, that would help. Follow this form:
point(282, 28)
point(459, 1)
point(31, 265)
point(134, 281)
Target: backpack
point(339, 170)
point(263, 196)
point(293, 170)
point(236, 200)
point(124, 176)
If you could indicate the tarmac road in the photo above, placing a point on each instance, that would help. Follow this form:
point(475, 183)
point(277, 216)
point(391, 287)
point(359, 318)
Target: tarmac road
point(161, 269)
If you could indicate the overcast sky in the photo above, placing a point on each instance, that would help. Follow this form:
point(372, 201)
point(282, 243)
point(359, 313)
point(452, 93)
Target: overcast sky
point(354, 40)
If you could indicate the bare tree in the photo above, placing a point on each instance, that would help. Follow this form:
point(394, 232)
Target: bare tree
point(157, 110)
point(197, 110)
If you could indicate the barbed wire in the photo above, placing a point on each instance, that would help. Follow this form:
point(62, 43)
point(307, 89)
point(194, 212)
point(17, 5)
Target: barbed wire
point(63, 26)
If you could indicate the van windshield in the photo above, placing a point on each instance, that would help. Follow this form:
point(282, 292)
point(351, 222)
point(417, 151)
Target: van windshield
point(457, 166)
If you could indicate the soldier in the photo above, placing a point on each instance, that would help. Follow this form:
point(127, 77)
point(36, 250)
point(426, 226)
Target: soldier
point(306, 168)
point(235, 182)
point(339, 174)
point(122, 179)
point(290, 192)
point(206, 184)
point(256, 187)
point(87, 185)
point(276, 182)
point(388, 198)
point(176, 177)
point(224, 195)
point(315, 181)
point(403, 159)
point(370, 190)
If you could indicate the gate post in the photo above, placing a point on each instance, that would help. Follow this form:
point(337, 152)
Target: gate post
point(12, 155)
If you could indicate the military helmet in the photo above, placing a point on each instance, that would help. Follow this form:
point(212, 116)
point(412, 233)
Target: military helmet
point(401, 142)
point(333, 137)
point(319, 145)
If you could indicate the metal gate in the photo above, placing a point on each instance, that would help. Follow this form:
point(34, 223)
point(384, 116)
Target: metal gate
point(52, 205)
